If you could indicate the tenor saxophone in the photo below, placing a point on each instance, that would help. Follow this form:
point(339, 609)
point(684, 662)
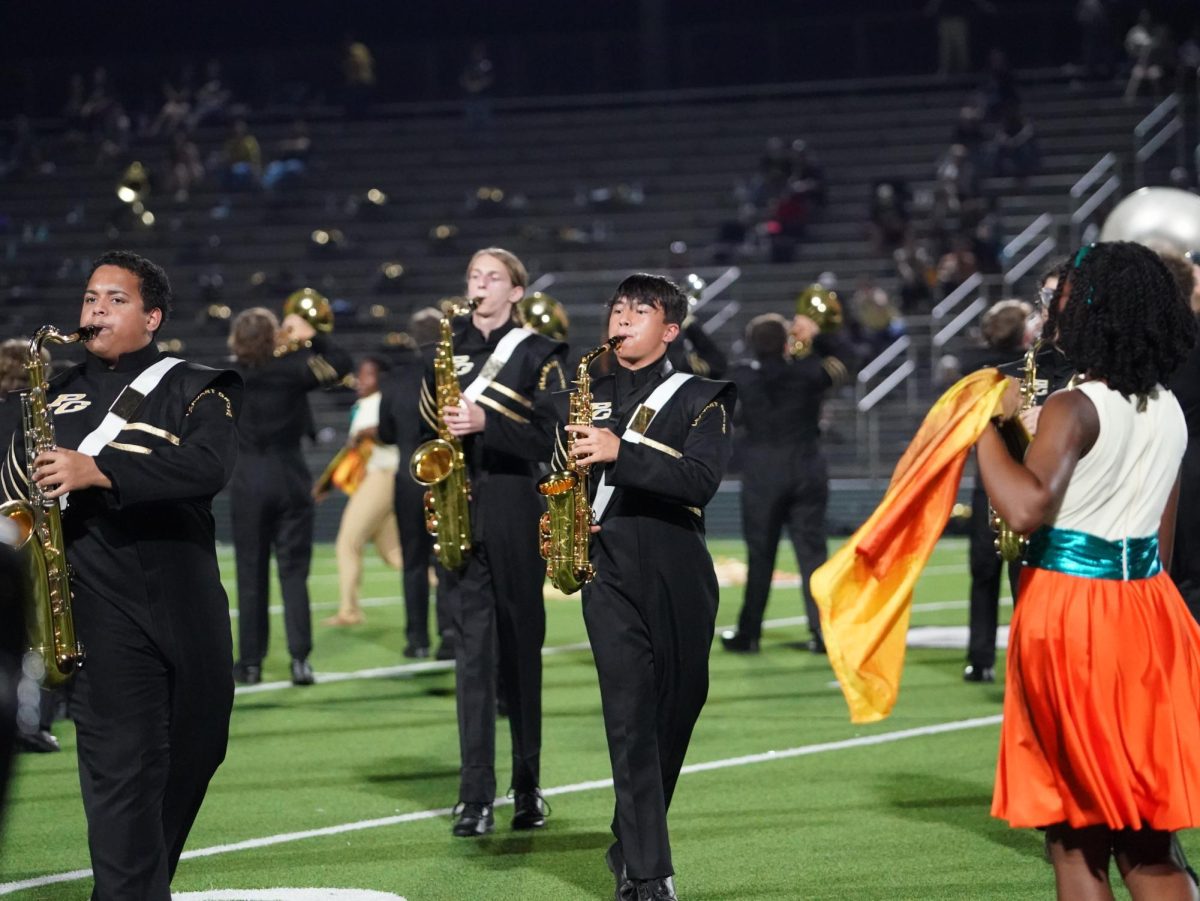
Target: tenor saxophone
point(439, 464)
point(46, 576)
point(566, 526)
point(1010, 545)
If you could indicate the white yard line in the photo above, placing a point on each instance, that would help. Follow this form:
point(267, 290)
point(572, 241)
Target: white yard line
point(746, 760)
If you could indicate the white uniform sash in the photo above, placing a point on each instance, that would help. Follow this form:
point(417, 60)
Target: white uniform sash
point(496, 361)
point(636, 430)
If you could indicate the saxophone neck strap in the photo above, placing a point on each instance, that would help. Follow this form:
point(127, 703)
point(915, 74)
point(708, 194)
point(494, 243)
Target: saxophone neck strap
point(635, 431)
point(500, 356)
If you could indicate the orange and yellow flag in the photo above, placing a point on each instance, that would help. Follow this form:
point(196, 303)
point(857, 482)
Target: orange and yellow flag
point(864, 591)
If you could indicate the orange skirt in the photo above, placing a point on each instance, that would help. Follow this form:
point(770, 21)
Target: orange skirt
point(1101, 706)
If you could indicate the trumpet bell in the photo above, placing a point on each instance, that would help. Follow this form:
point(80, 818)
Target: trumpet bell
point(312, 306)
point(544, 315)
point(432, 462)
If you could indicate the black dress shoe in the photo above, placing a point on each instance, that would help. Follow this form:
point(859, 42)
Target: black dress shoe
point(615, 859)
point(472, 819)
point(662, 889)
point(40, 742)
point(416, 651)
point(445, 651)
point(529, 810)
point(302, 672)
point(738, 643)
point(247, 673)
point(973, 673)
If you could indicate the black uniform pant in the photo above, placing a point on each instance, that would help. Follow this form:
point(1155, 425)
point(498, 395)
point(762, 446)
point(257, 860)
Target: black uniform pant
point(272, 508)
point(986, 572)
point(651, 653)
point(500, 624)
point(152, 722)
point(782, 487)
point(12, 648)
point(416, 549)
point(1185, 559)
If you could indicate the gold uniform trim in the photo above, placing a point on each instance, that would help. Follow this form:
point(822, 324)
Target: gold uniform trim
point(191, 407)
point(485, 401)
point(836, 370)
point(154, 430)
point(15, 467)
point(509, 393)
point(544, 376)
point(132, 448)
point(322, 369)
point(712, 405)
point(660, 447)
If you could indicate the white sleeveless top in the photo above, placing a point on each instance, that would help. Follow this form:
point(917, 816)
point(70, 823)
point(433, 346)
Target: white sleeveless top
point(1120, 487)
point(365, 415)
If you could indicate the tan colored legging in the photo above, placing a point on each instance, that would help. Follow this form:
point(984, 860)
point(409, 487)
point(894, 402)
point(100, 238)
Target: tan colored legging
point(369, 515)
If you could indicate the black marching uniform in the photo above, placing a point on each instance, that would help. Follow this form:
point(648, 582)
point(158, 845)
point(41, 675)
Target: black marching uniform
point(271, 495)
point(400, 424)
point(785, 478)
point(496, 599)
point(1185, 559)
point(1053, 373)
point(151, 704)
point(651, 609)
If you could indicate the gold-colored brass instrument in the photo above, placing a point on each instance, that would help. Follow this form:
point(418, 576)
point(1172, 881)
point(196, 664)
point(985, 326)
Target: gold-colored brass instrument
point(1010, 545)
point(544, 315)
point(822, 306)
point(439, 464)
point(49, 620)
point(311, 306)
point(566, 526)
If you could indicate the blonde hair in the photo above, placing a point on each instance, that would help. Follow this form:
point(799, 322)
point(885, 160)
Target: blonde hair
point(516, 269)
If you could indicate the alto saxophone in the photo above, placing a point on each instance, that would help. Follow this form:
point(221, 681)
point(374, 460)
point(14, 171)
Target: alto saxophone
point(1010, 545)
point(566, 526)
point(439, 464)
point(49, 621)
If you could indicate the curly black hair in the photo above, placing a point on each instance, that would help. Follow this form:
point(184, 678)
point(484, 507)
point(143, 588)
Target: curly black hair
point(1123, 319)
point(152, 280)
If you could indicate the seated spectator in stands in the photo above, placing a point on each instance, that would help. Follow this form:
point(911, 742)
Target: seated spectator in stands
point(95, 107)
point(291, 159)
point(212, 97)
point(999, 87)
point(242, 159)
point(786, 226)
point(21, 152)
point(186, 166)
point(1014, 148)
point(918, 277)
point(477, 80)
point(174, 113)
point(358, 77)
point(1096, 37)
point(878, 319)
point(981, 220)
point(956, 182)
point(737, 237)
point(114, 131)
point(956, 265)
point(890, 225)
point(1151, 53)
point(969, 131)
point(807, 175)
point(774, 170)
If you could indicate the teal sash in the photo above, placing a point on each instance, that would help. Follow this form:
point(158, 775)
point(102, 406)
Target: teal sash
point(1090, 557)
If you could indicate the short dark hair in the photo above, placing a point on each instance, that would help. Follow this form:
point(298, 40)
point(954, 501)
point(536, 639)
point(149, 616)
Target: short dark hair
point(153, 283)
point(379, 361)
point(767, 336)
point(1125, 320)
point(656, 291)
point(1003, 325)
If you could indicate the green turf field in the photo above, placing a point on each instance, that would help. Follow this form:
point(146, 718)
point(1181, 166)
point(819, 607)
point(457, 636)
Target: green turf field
point(347, 784)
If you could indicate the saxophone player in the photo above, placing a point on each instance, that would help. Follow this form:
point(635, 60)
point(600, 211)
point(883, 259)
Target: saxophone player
point(144, 442)
point(505, 372)
point(657, 447)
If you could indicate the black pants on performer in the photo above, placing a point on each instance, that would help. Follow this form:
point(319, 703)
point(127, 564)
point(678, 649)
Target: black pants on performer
point(152, 723)
point(1185, 558)
point(782, 487)
point(500, 625)
point(272, 508)
point(986, 572)
point(416, 549)
point(652, 661)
